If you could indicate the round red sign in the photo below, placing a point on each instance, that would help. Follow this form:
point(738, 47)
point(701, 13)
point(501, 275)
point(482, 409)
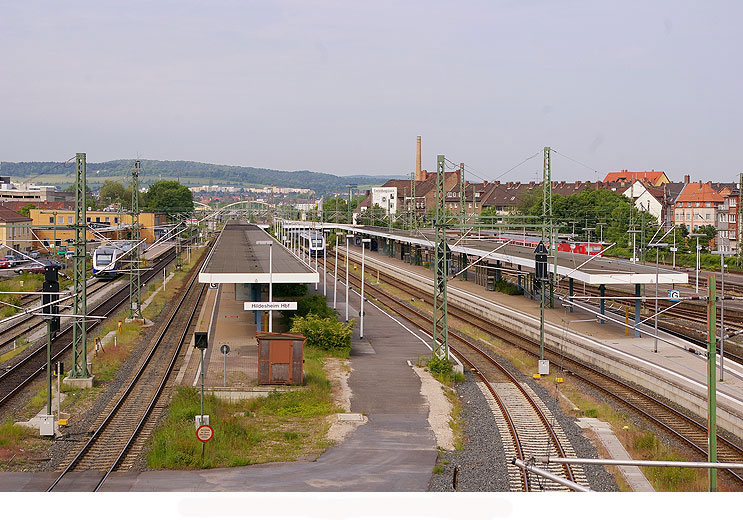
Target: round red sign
point(204, 433)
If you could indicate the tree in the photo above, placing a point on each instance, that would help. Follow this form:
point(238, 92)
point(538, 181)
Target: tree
point(112, 192)
point(170, 196)
point(26, 210)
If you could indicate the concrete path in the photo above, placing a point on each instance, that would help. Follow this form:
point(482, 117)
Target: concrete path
point(632, 474)
point(394, 451)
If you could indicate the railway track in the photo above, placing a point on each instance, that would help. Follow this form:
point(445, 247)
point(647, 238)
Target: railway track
point(675, 421)
point(531, 429)
point(126, 421)
point(29, 322)
point(27, 368)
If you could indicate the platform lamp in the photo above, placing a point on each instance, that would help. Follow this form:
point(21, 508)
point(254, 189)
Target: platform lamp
point(269, 243)
point(338, 235)
point(634, 247)
point(541, 274)
point(696, 266)
point(722, 254)
point(364, 241)
point(348, 237)
point(657, 246)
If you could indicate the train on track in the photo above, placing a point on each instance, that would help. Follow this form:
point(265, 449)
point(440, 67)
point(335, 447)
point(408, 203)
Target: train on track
point(567, 246)
point(110, 260)
point(314, 240)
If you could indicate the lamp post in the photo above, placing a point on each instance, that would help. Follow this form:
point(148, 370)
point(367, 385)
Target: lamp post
point(657, 247)
point(361, 312)
point(696, 267)
point(348, 237)
point(634, 249)
point(269, 243)
point(338, 235)
point(722, 254)
point(601, 227)
point(324, 266)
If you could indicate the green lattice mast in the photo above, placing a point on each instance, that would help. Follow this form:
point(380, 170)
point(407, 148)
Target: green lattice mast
point(79, 368)
point(135, 307)
point(440, 325)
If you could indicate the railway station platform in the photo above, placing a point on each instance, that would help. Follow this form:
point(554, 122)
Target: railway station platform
point(677, 371)
point(394, 450)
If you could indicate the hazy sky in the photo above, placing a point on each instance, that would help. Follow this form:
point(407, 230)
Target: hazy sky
point(344, 87)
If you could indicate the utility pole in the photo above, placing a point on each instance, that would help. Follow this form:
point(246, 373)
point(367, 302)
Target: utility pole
point(350, 190)
point(135, 311)
point(547, 216)
point(462, 198)
point(414, 217)
point(712, 381)
point(79, 286)
point(440, 318)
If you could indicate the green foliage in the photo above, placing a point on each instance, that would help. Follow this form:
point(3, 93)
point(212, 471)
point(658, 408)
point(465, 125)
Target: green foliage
point(314, 304)
point(507, 287)
point(170, 196)
point(112, 192)
point(326, 334)
point(288, 290)
point(26, 210)
point(11, 434)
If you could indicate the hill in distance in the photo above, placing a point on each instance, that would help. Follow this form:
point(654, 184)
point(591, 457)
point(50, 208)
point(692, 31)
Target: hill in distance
point(189, 173)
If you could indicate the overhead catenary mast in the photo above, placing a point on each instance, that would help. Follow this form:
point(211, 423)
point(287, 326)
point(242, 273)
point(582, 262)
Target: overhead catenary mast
point(135, 308)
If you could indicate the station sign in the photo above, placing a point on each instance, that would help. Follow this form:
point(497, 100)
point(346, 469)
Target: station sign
point(270, 306)
point(674, 295)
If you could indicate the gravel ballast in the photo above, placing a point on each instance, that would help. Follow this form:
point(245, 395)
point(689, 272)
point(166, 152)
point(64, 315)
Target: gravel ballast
point(482, 463)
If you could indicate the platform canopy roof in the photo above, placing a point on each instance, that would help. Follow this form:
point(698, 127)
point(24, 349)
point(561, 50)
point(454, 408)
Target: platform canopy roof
point(237, 258)
point(579, 267)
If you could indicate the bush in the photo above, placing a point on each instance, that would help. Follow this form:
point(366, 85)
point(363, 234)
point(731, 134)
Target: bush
point(289, 290)
point(508, 288)
point(314, 304)
point(326, 334)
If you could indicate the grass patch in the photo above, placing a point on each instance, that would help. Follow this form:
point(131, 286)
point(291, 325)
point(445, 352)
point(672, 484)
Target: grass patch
point(456, 423)
point(649, 447)
point(282, 426)
point(12, 435)
point(641, 445)
point(21, 345)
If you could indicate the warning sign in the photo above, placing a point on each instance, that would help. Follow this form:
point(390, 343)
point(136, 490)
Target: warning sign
point(204, 433)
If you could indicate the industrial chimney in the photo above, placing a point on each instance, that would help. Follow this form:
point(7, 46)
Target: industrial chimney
point(418, 159)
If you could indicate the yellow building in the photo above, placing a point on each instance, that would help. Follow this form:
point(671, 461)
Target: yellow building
point(15, 231)
point(111, 224)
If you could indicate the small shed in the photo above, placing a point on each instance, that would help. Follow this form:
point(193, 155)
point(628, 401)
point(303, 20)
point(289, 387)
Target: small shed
point(280, 358)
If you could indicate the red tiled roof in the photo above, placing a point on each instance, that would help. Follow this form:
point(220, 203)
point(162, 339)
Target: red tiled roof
point(625, 175)
point(699, 192)
point(8, 215)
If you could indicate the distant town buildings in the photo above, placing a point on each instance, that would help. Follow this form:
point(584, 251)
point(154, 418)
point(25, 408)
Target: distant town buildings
point(28, 193)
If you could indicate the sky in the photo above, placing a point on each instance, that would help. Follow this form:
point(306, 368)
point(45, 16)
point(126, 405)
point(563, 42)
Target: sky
point(344, 87)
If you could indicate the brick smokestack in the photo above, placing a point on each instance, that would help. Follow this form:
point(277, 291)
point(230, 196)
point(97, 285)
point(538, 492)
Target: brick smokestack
point(418, 159)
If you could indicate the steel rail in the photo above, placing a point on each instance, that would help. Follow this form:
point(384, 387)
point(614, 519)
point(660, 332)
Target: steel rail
point(135, 380)
point(59, 351)
point(494, 363)
point(560, 359)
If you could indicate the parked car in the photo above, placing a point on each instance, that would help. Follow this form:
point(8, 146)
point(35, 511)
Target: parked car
point(34, 254)
point(4, 263)
point(13, 260)
point(38, 266)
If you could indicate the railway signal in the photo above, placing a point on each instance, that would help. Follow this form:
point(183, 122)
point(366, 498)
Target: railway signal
point(541, 277)
point(50, 288)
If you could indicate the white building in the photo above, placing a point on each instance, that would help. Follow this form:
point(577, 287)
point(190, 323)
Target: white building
point(385, 198)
